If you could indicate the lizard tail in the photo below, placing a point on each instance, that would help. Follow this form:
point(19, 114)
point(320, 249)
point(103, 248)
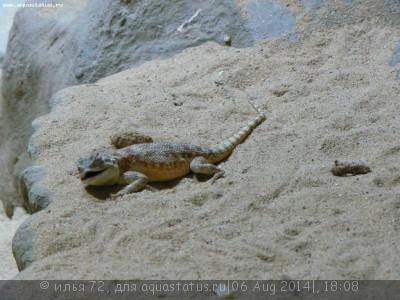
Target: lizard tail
point(222, 150)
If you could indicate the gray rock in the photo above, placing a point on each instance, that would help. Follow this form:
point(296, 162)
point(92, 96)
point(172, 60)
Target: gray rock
point(23, 245)
point(396, 56)
point(7, 12)
point(35, 195)
point(396, 59)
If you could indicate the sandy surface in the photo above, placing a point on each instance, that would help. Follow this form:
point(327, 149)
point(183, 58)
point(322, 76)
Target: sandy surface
point(8, 267)
point(279, 212)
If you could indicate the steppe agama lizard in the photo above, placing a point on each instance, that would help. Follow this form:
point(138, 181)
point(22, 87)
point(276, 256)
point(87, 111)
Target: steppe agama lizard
point(138, 164)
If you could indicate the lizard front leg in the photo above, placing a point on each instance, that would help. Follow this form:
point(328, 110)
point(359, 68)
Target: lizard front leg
point(135, 182)
point(200, 165)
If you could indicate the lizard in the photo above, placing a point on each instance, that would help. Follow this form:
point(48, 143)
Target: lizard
point(139, 164)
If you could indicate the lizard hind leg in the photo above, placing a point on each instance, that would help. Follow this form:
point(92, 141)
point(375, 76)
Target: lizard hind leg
point(200, 165)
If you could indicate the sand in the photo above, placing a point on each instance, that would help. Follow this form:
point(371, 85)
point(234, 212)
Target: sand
point(8, 267)
point(280, 212)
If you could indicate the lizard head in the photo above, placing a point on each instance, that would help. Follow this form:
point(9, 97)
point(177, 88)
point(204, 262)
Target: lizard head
point(98, 169)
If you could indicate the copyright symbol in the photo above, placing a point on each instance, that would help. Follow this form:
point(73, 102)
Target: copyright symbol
point(44, 285)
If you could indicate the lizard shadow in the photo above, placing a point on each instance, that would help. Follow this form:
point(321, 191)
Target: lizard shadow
point(106, 192)
point(102, 192)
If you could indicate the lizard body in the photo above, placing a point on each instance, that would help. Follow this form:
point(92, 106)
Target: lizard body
point(136, 165)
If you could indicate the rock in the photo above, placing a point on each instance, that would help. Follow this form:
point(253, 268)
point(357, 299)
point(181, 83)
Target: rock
point(23, 245)
point(35, 195)
point(8, 267)
point(52, 48)
point(396, 59)
point(6, 16)
point(396, 56)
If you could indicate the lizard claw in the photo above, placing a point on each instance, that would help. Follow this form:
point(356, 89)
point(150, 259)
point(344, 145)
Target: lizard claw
point(114, 197)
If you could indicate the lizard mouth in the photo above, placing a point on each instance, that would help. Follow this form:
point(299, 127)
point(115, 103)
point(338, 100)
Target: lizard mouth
point(90, 174)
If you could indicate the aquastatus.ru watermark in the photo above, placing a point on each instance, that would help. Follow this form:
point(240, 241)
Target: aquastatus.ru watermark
point(33, 5)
